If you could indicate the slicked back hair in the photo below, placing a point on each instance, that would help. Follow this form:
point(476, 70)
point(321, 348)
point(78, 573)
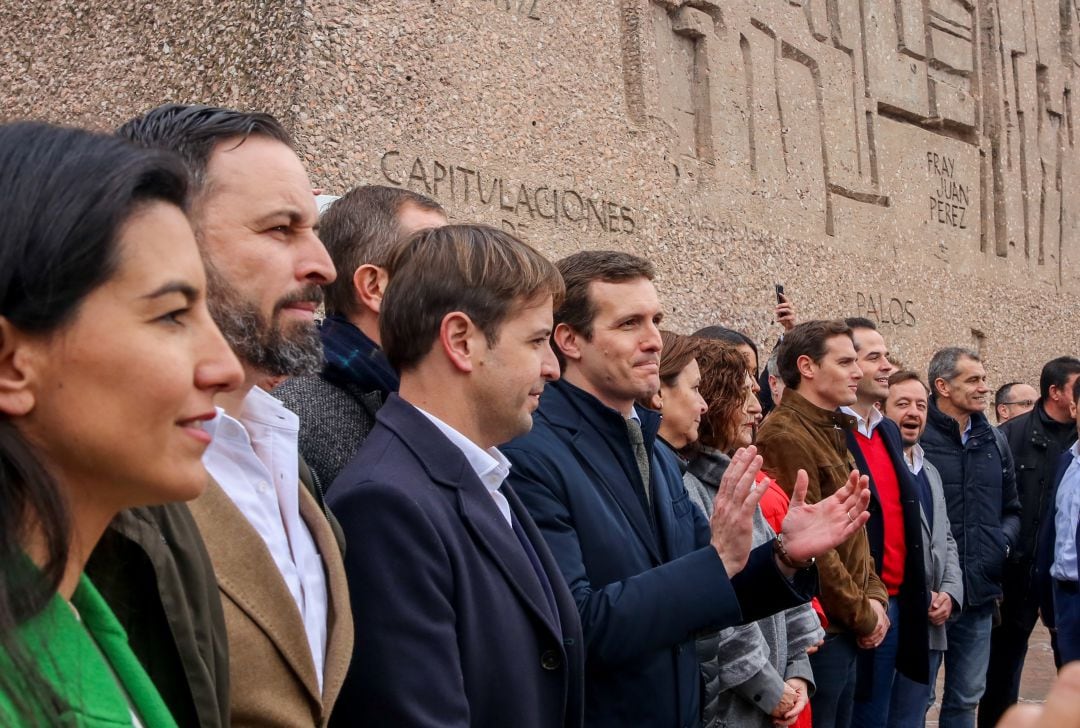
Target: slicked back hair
point(945, 364)
point(1002, 393)
point(481, 271)
point(361, 228)
point(806, 339)
point(1056, 372)
point(194, 131)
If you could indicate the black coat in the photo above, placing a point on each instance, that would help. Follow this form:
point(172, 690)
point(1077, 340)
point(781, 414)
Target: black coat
point(642, 593)
point(1035, 452)
point(912, 659)
point(453, 627)
point(980, 492)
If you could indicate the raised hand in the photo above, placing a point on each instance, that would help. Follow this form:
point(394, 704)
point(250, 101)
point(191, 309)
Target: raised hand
point(732, 523)
point(812, 529)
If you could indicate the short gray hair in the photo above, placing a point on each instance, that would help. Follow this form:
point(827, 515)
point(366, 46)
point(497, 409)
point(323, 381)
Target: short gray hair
point(945, 364)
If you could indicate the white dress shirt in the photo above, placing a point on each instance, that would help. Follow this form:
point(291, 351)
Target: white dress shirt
point(254, 460)
point(914, 457)
point(865, 427)
point(1066, 512)
point(490, 465)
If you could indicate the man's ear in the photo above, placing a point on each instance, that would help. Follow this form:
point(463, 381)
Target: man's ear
point(458, 336)
point(568, 341)
point(369, 285)
point(941, 387)
point(806, 367)
point(656, 402)
point(16, 371)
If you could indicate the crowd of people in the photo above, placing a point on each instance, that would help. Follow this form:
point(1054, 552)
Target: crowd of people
point(487, 489)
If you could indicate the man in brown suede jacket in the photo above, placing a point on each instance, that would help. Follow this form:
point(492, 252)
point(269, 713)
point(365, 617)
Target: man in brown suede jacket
point(818, 365)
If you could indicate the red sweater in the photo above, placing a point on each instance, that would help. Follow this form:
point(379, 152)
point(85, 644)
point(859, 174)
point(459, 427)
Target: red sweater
point(892, 513)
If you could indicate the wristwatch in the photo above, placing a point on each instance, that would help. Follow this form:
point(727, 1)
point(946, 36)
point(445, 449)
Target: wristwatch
point(785, 557)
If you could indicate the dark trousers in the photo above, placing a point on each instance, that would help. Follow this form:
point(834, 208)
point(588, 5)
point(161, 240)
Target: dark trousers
point(1009, 643)
point(1067, 618)
point(834, 675)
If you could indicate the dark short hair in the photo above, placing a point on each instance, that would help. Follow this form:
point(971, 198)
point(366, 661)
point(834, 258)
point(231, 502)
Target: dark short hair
point(1002, 393)
point(194, 131)
point(906, 375)
point(1056, 372)
point(578, 310)
point(859, 322)
point(361, 228)
point(806, 339)
point(730, 336)
point(484, 272)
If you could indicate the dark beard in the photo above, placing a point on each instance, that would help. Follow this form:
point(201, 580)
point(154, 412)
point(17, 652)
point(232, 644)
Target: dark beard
point(265, 345)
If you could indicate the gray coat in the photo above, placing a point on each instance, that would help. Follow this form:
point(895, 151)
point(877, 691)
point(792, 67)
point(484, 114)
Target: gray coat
point(940, 560)
point(744, 668)
point(334, 421)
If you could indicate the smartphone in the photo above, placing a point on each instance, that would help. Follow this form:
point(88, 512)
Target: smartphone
point(779, 293)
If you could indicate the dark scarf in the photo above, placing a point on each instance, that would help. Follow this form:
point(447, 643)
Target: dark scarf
point(354, 359)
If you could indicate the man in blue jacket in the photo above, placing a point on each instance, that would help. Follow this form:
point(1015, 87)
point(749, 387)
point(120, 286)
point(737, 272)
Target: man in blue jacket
point(1056, 560)
point(646, 569)
point(462, 618)
point(977, 476)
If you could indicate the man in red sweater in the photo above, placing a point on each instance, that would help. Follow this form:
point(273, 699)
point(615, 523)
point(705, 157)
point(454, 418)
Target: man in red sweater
point(894, 532)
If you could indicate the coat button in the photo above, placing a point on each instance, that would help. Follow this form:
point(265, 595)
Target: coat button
point(550, 660)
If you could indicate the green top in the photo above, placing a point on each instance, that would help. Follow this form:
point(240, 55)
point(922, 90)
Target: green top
point(98, 677)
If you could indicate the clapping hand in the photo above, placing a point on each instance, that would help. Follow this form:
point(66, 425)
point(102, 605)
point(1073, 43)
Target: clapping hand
point(732, 524)
point(812, 529)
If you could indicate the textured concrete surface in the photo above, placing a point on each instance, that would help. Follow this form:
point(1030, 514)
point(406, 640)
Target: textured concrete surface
point(910, 161)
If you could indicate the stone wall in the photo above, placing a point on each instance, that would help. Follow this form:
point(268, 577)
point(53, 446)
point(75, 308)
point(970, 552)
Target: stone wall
point(913, 161)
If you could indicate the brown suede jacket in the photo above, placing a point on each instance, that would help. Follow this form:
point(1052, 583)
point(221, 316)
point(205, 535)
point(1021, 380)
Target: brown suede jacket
point(798, 435)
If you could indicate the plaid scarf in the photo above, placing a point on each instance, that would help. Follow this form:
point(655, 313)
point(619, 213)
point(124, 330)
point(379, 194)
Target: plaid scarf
point(354, 359)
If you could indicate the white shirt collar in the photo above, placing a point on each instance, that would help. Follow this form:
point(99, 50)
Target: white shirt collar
point(1075, 450)
point(865, 427)
point(490, 465)
point(915, 458)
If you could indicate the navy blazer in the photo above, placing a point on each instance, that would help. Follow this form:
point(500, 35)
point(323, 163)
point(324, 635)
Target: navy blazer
point(642, 593)
point(1044, 555)
point(913, 655)
point(453, 627)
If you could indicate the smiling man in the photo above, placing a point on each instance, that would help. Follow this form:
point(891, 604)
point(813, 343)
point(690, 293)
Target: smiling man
point(977, 477)
point(821, 371)
point(646, 568)
point(462, 618)
point(894, 534)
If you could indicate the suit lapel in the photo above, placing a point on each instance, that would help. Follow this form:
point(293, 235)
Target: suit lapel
point(600, 459)
point(339, 633)
point(495, 536)
point(247, 574)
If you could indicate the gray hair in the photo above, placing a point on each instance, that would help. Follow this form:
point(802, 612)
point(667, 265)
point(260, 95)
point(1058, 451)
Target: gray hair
point(771, 365)
point(945, 364)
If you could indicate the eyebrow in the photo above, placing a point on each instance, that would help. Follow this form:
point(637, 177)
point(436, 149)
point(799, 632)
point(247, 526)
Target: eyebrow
point(296, 216)
point(187, 290)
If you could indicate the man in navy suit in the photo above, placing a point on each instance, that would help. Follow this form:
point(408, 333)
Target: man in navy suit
point(461, 615)
point(647, 570)
point(895, 535)
point(1056, 563)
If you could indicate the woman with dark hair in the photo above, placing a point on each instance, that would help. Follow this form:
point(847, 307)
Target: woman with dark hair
point(742, 343)
point(109, 362)
point(757, 674)
point(679, 398)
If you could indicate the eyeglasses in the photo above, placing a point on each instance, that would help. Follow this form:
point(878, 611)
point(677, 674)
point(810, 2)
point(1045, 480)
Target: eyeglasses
point(1022, 402)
